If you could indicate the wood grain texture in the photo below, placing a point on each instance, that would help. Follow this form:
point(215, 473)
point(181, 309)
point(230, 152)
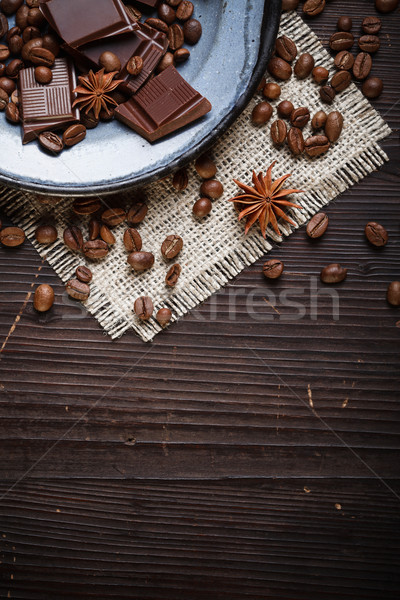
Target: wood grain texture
point(251, 451)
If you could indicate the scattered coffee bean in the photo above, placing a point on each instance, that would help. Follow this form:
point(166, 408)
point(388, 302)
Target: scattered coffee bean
point(393, 293)
point(30, 33)
point(192, 31)
point(304, 66)
point(166, 13)
point(109, 61)
point(180, 180)
point(3, 25)
point(372, 87)
point(78, 290)
point(135, 65)
point(84, 274)
point(371, 25)
point(137, 213)
point(132, 240)
point(184, 10)
point(171, 246)
point(133, 13)
point(262, 84)
point(202, 207)
point(28, 47)
point(7, 84)
point(344, 60)
point(4, 52)
point(317, 225)
point(286, 48)
point(341, 40)
point(262, 113)
point(300, 117)
point(166, 61)
point(319, 120)
point(362, 65)
point(9, 7)
point(12, 236)
point(290, 4)
point(46, 234)
point(369, 43)
point(113, 216)
point(376, 234)
point(278, 132)
point(43, 298)
point(157, 24)
point(320, 74)
point(312, 8)
point(43, 75)
point(86, 206)
point(344, 23)
point(89, 120)
point(385, 6)
point(12, 113)
point(73, 238)
point(21, 17)
point(273, 268)
point(94, 229)
point(285, 109)
point(140, 261)
point(334, 126)
point(74, 134)
point(175, 37)
point(163, 316)
point(42, 57)
point(333, 273)
point(3, 99)
point(143, 308)
point(212, 188)
point(272, 91)
point(51, 142)
point(327, 93)
point(205, 167)
point(95, 249)
point(171, 279)
point(106, 235)
point(181, 55)
point(13, 68)
point(316, 145)
point(279, 68)
point(340, 81)
point(295, 141)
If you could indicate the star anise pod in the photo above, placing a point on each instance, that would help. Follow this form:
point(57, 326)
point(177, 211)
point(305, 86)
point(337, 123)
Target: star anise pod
point(94, 89)
point(264, 201)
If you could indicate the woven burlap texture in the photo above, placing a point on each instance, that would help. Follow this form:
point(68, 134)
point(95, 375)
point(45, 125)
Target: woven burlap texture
point(215, 248)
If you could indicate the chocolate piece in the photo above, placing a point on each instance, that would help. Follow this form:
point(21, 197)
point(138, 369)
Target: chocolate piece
point(163, 105)
point(47, 107)
point(98, 19)
point(151, 3)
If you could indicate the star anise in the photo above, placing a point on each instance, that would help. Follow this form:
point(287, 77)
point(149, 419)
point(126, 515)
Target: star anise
point(264, 201)
point(94, 89)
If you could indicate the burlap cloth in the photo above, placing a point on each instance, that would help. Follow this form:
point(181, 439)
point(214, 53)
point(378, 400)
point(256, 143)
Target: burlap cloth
point(215, 248)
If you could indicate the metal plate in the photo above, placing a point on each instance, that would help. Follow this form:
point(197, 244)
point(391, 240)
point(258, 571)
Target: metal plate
point(225, 66)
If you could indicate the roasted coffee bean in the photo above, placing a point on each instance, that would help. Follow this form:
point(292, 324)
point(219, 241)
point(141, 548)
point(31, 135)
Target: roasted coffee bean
point(317, 225)
point(73, 238)
point(113, 216)
point(279, 68)
point(133, 13)
point(12, 236)
point(295, 141)
point(175, 37)
point(163, 316)
point(143, 308)
point(46, 234)
point(184, 10)
point(157, 24)
point(313, 8)
point(42, 57)
point(21, 17)
point(51, 142)
point(94, 229)
point(2, 70)
point(362, 65)
point(109, 61)
point(369, 43)
point(4, 52)
point(290, 4)
point(171, 278)
point(181, 55)
point(371, 25)
point(372, 87)
point(95, 249)
point(327, 93)
point(278, 132)
point(74, 134)
point(262, 84)
point(166, 61)
point(192, 31)
point(33, 3)
point(171, 246)
point(106, 235)
point(341, 40)
point(15, 97)
point(344, 60)
point(205, 167)
point(12, 113)
point(140, 261)
point(30, 33)
point(286, 48)
point(50, 42)
point(333, 273)
point(173, 3)
point(43, 75)
point(344, 23)
point(300, 117)
point(340, 81)
point(272, 269)
point(89, 120)
point(35, 17)
point(43, 298)
point(385, 6)
point(3, 25)
point(212, 188)
point(86, 206)
point(393, 293)
point(320, 74)
point(334, 126)
point(11, 32)
point(262, 113)
point(7, 84)
point(166, 13)
point(3, 99)
point(78, 290)
point(29, 46)
point(180, 180)
point(137, 213)
point(316, 145)
point(132, 240)
point(376, 234)
point(135, 65)
point(202, 207)
point(14, 67)
point(272, 91)
point(285, 109)
point(9, 7)
point(84, 274)
point(304, 65)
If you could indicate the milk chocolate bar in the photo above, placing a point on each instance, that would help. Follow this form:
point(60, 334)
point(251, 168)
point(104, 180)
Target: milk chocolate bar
point(163, 105)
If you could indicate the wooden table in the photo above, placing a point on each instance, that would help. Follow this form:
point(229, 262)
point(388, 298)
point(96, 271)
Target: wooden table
point(245, 453)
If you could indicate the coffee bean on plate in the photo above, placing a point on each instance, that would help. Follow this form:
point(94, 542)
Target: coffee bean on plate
point(180, 180)
point(46, 234)
point(78, 290)
point(73, 238)
point(341, 40)
point(51, 142)
point(340, 81)
point(304, 65)
point(317, 225)
point(175, 37)
point(135, 65)
point(166, 61)
point(84, 274)
point(7, 84)
point(109, 61)
point(393, 293)
point(333, 273)
point(272, 269)
point(316, 145)
point(369, 43)
point(171, 246)
point(137, 213)
point(212, 188)
point(166, 13)
point(86, 206)
point(278, 132)
point(300, 117)
point(202, 207)
point(132, 240)
point(14, 67)
point(95, 249)
point(157, 24)
point(163, 316)
point(106, 235)
point(376, 234)
point(262, 113)
point(171, 278)
point(372, 87)
point(320, 74)
point(143, 307)
point(3, 99)
point(327, 93)
point(113, 216)
point(285, 109)
point(192, 31)
point(43, 75)
point(205, 166)
point(181, 55)
point(184, 10)
point(286, 48)
point(334, 126)
point(74, 134)
point(371, 25)
point(12, 113)
point(279, 68)
point(41, 57)
point(344, 60)
point(295, 141)
point(140, 261)
point(43, 298)
point(312, 8)
point(362, 65)
point(12, 236)
point(272, 91)
point(344, 23)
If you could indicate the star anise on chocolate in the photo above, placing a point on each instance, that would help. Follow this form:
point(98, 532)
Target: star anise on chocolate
point(94, 89)
point(264, 201)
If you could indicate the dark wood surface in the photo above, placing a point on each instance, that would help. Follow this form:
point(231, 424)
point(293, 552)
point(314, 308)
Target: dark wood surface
point(239, 455)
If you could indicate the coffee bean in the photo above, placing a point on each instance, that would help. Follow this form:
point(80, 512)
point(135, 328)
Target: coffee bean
point(175, 37)
point(341, 40)
point(73, 238)
point(304, 65)
point(372, 87)
point(278, 132)
point(163, 316)
point(42, 57)
point(285, 109)
point(140, 261)
point(320, 74)
point(106, 235)
point(202, 207)
point(51, 142)
point(362, 65)
point(344, 60)
point(30, 33)
point(94, 229)
point(4, 52)
point(166, 13)
point(15, 97)
point(180, 180)
point(106, 114)
point(300, 117)
point(192, 31)
point(171, 278)
point(371, 25)
point(12, 236)
point(262, 113)
point(184, 10)
point(286, 48)
point(95, 249)
point(344, 23)
point(74, 134)
point(272, 91)
point(385, 6)
point(171, 246)
point(109, 61)
point(166, 61)
point(35, 17)
point(181, 55)
point(205, 166)
point(376, 234)
point(327, 93)
point(313, 8)
point(43, 298)
point(133, 13)
point(29, 46)
point(78, 290)
point(279, 68)
point(89, 120)
point(317, 225)
point(12, 113)
point(50, 42)
point(113, 216)
point(132, 240)
point(393, 293)
point(3, 99)
point(212, 188)
point(3, 25)
point(369, 43)
point(33, 3)
point(84, 274)
point(7, 84)
point(273, 268)
point(9, 7)
point(14, 67)
point(143, 308)
point(2, 71)
point(157, 24)
point(340, 81)
point(316, 145)
point(135, 65)
point(262, 84)
point(290, 4)
point(334, 126)
point(43, 75)
point(46, 234)
point(137, 213)
point(333, 273)
point(295, 141)
point(86, 206)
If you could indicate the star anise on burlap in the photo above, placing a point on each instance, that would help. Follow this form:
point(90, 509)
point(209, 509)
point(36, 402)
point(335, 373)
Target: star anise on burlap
point(264, 201)
point(94, 89)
